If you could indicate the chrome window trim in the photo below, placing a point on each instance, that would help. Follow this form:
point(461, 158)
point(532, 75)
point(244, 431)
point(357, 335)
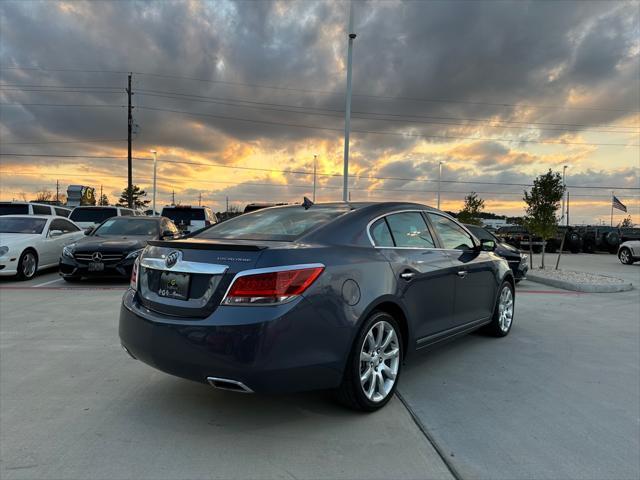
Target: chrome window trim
point(258, 271)
point(183, 266)
point(373, 244)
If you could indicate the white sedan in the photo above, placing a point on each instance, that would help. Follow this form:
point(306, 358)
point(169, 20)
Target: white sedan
point(29, 243)
point(629, 252)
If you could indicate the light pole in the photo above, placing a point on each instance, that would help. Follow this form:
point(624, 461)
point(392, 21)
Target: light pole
point(439, 180)
point(315, 160)
point(564, 188)
point(347, 109)
point(155, 163)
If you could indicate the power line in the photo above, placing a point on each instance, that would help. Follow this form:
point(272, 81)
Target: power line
point(106, 140)
point(322, 92)
point(304, 172)
point(375, 132)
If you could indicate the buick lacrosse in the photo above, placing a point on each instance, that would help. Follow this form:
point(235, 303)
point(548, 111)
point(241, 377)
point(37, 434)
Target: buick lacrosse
point(313, 296)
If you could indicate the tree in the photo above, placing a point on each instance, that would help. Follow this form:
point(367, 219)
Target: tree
point(137, 194)
point(471, 211)
point(626, 223)
point(542, 204)
point(104, 200)
point(44, 195)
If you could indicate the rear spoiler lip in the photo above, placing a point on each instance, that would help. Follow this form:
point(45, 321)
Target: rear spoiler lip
point(206, 245)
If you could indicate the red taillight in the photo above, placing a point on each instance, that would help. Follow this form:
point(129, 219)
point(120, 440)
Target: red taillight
point(271, 287)
point(133, 283)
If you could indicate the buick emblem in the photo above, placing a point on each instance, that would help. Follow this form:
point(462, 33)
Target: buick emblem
point(96, 257)
point(172, 259)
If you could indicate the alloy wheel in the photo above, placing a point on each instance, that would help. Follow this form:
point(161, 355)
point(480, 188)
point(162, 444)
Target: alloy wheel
point(505, 309)
point(29, 265)
point(379, 361)
point(624, 256)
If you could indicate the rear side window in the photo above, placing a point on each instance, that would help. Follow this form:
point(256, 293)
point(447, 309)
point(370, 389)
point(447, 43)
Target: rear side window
point(184, 216)
point(409, 229)
point(278, 224)
point(63, 212)
point(380, 234)
point(452, 235)
point(41, 210)
point(125, 212)
point(14, 209)
point(94, 215)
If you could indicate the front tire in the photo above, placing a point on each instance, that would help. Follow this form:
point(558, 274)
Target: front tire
point(27, 265)
point(502, 320)
point(625, 256)
point(373, 368)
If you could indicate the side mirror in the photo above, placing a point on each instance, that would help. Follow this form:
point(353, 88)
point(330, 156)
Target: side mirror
point(55, 233)
point(487, 245)
point(89, 230)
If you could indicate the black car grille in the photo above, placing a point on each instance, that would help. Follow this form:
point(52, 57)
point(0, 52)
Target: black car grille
point(106, 257)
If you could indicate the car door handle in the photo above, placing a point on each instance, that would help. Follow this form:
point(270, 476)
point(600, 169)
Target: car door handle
point(462, 273)
point(407, 275)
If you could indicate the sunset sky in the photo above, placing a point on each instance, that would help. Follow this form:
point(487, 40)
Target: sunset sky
point(248, 92)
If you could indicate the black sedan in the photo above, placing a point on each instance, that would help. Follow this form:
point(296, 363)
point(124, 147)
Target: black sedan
point(113, 246)
point(518, 261)
point(325, 296)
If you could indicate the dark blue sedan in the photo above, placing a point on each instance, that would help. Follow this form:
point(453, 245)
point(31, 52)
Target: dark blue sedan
point(325, 296)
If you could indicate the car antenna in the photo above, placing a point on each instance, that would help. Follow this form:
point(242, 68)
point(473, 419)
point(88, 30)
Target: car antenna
point(307, 204)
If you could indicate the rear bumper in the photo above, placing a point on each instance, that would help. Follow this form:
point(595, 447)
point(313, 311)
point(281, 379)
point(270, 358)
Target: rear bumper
point(269, 349)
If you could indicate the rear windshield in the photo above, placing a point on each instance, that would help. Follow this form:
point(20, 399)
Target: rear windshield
point(183, 215)
point(22, 225)
point(128, 226)
point(14, 209)
point(95, 215)
point(279, 224)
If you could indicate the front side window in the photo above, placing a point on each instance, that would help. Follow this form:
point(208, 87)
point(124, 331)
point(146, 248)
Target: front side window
point(63, 226)
point(409, 229)
point(41, 210)
point(278, 224)
point(380, 234)
point(453, 236)
point(63, 212)
point(22, 225)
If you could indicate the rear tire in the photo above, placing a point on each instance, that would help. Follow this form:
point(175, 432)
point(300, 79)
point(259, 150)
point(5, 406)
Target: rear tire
point(373, 368)
point(503, 312)
point(28, 265)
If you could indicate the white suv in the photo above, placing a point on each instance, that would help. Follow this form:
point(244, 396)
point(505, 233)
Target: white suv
point(189, 219)
point(32, 208)
point(90, 216)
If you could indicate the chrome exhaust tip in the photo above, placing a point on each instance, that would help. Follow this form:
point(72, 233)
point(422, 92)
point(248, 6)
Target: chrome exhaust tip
point(227, 384)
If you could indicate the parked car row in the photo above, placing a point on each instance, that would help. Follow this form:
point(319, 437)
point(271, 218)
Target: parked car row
point(587, 239)
point(29, 243)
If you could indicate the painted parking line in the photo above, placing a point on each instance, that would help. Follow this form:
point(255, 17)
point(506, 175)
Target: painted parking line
point(550, 292)
point(47, 283)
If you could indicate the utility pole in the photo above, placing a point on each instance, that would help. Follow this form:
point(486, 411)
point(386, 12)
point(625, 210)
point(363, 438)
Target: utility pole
point(173, 198)
point(155, 164)
point(200, 199)
point(611, 208)
point(100, 201)
point(564, 187)
point(57, 191)
point(129, 164)
point(315, 159)
point(347, 109)
point(567, 208)
point(439, 180)
point(227, 204)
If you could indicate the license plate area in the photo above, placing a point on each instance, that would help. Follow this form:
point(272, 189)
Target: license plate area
point(174, 285)
point(95, 266)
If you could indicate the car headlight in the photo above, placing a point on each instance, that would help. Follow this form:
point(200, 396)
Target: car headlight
point(68, 250)
point(3, 250)
point(524, 258)
point(134, 254)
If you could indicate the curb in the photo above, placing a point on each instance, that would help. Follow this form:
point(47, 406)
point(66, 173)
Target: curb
point(580, 287)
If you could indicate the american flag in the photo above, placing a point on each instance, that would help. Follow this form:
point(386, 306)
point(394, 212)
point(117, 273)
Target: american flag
point(615, 203)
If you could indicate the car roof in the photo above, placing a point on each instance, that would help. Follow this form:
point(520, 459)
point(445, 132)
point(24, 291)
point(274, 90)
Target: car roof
point(101, 206)
point(43, 217)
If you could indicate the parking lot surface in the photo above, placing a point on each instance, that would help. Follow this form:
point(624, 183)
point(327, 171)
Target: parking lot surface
point(558, 398)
